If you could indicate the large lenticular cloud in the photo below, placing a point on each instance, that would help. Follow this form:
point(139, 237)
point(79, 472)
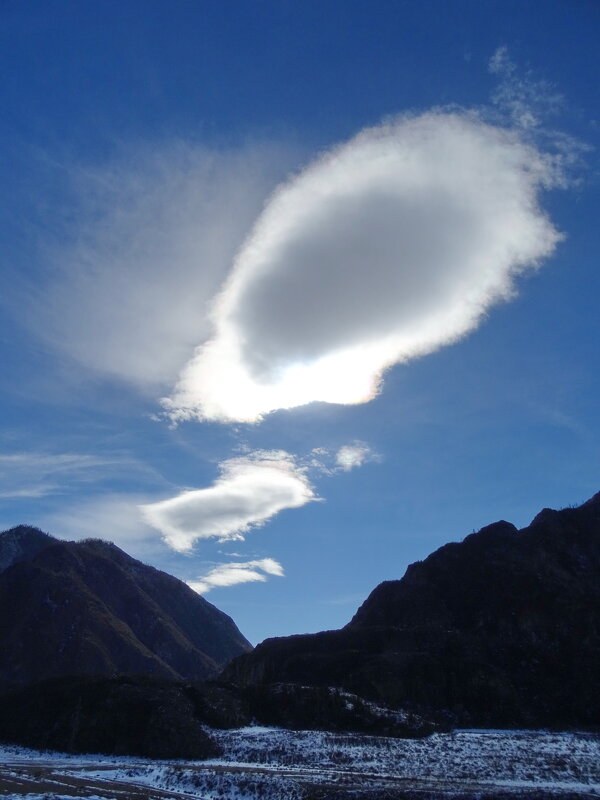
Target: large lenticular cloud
point(384, 249)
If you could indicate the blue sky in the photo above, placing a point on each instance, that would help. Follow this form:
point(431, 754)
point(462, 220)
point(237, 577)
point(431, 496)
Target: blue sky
point(428, 261)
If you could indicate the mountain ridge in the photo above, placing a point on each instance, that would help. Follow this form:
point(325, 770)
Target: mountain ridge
point(89, 608)
point(500, 629)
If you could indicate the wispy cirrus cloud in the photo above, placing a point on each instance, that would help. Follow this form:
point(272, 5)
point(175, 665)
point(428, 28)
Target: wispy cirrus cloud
point(385, 249)
point(31, 474)
point(250, 490)
point(113, 516)
point(232, 573)
point(154, 232)
point(524, 99)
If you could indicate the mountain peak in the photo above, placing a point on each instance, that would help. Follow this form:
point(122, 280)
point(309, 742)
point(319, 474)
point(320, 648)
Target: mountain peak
point(88, 608)
point(20, 543)
point(593, 502)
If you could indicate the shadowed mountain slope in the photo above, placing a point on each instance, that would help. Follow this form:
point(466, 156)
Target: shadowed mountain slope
point(144, 717)
point(88, 608)
point(502, 629)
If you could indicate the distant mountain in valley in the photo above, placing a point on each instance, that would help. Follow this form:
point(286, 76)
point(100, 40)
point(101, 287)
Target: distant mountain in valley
point(87, 608)
point(502, 629)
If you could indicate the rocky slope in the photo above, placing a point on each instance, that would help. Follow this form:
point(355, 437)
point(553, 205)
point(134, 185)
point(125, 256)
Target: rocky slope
point(87, 608)
point(502, 629)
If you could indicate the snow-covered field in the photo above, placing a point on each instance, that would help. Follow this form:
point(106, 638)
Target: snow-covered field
point(294, 765)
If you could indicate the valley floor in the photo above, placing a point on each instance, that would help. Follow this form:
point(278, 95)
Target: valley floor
point(306, 765)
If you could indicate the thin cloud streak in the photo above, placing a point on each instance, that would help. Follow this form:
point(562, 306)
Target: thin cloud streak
point(383, 250)
point(230, 574)
point(30, 474)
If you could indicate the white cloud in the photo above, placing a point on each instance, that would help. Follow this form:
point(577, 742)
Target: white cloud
point(237, 572)
point(383, 250)
point(154, 235)
point(353, 455)
point(250, 490)
point(347, 457)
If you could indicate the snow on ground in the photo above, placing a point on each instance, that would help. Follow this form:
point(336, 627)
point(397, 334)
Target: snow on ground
point(47, 796)
point(283, 765)
point(490, 755)
point(14, 754)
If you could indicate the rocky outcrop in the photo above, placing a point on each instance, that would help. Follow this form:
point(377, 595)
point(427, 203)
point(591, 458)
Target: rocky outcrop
point(502, 629)
point(297, 707)
point(87, 608)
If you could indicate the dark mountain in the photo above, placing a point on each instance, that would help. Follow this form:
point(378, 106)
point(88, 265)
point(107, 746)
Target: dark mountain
point(502, 629)
point(87, 608)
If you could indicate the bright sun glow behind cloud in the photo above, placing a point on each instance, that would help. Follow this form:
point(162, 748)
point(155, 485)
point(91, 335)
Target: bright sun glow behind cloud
point(381, 251)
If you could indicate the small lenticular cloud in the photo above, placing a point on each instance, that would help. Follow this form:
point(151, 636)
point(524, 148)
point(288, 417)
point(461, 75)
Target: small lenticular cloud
point(250, 490)
point(237, 572)
point(383, 250)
